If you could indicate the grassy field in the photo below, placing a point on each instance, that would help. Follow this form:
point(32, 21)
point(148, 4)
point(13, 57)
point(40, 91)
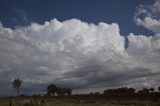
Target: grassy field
point(78, 101)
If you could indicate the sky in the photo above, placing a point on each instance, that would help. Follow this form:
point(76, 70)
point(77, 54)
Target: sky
point(87, 45)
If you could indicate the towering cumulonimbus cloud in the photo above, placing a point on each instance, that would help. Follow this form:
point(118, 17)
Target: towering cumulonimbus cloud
point(63, 52)
point(79, 55)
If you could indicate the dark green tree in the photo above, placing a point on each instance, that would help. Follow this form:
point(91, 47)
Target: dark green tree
point(97, 93)
point(17, 84)
point(119, 90)
point(131, 90)
point(151, 89)
point(51, 89)
point(144, 90)
point(60, 91)
point(159, 88)
point(68, 91)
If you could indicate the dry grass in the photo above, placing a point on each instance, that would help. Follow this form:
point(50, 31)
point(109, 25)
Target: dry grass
point(73, 102)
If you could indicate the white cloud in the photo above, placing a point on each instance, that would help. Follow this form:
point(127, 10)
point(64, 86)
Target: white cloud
point(73, 51)
point(148, 16)
point(143, 48)
point(151, 24)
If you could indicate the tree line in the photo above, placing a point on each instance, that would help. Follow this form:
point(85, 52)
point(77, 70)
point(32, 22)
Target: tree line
point(53, 90)
point(130, 90)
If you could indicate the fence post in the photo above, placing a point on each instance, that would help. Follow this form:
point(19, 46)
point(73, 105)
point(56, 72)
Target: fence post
point(10, 101)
